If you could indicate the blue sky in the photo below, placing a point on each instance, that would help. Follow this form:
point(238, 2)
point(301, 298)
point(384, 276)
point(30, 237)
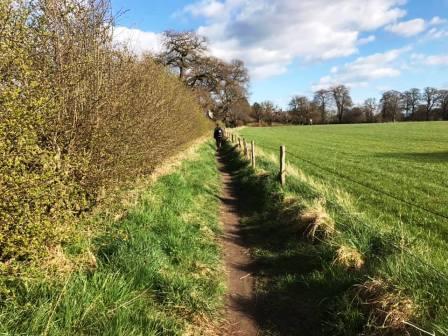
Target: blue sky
point(294, 47)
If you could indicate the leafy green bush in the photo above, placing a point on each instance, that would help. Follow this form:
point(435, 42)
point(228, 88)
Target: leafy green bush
point(35, 193)
point(76, 115)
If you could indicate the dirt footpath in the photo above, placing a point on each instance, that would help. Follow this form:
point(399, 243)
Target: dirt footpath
point(240, 299)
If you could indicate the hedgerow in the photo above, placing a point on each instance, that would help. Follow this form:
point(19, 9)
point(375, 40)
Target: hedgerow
point(77, 115)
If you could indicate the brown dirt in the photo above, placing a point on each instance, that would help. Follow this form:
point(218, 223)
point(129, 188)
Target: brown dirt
point(240, 298)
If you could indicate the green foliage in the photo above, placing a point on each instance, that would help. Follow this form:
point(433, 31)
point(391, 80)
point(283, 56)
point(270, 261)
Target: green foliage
point(153, 115)
point(158, 273)
point(35, 194)
point(76, 115)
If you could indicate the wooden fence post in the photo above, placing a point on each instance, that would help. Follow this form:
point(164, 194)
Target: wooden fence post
point(239, 143)
point(245, 148)
point(252, 154)
point(282, 165)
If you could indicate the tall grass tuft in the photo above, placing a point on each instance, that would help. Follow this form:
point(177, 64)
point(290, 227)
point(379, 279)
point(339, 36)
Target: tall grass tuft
point(360, 277)
point(158, 268)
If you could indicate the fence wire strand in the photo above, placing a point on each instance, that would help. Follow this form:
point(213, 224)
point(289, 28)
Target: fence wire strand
point(400, 249)
point(382, 192)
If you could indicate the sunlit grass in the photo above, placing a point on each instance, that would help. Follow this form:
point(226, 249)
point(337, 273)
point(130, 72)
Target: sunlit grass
point(158, 273)
point(348, 166)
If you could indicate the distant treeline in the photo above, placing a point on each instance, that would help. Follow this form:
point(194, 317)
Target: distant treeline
point(79, 115)
point(335, 105)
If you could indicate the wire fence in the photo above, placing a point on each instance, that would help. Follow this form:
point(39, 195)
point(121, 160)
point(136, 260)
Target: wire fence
point(401, 249)
point(371, 188)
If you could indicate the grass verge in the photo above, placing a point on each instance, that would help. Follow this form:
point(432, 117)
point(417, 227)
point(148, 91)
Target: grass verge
point(155, 271)
point(329, 269)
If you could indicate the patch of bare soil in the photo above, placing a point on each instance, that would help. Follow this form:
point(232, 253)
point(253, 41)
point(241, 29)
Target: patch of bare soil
point(240, 299)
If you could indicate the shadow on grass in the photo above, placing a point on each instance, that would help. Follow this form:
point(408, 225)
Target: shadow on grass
point(432, 157)
point(285, 304)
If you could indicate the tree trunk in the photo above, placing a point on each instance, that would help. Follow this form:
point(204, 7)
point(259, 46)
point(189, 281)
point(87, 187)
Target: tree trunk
point(181, 72)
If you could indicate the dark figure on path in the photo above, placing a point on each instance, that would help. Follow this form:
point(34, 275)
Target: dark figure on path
point(219, 136)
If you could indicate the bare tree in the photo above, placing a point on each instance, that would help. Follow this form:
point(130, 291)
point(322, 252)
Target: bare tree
point(241, 112)
point(322, 100)
point(257, 112)
point(411, 100)
point(282, 117)
point(431, 97)
point(342, 99)
point(354, 115)
point(219, 85)
point(182, 51)
point(406, 103)
point(268, 110)
point(391, 106)
point(370, 108)
point(232, 86)
point(205, 74)
point(444, 103)
point(300, 109)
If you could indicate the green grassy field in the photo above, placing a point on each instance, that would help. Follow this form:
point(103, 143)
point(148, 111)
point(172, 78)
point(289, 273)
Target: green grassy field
point(396, 172)
point(385, 187)
point(158, 268)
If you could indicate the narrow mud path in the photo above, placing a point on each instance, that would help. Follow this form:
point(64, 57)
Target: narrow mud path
point(240, 299)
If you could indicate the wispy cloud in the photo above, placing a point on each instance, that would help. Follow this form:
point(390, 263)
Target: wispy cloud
point(407, 28)
point(437, 20)
point(417, 26)
point(436, 33)
point(364, 70)
point(431, 60)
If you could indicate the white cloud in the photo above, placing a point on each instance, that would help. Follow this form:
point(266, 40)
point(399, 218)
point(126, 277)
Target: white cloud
point(366, 40)
point(419, 59)
point(269, 35)
point(437, 28)
point(137, 40)
point(364, 70)
point(206, 8)
point(437, 60)
point(407, 28)
point(437, 20)
point(435, 34)
point(268, 70)
point(416, 57)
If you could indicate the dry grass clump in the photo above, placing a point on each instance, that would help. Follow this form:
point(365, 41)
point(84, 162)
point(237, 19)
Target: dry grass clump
point(204, 325)
point(313, 221)
point(389, 308)
point(319, 224)
point(290, 211)
point(290, 203)
point(56, 262)
point(349, 258)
